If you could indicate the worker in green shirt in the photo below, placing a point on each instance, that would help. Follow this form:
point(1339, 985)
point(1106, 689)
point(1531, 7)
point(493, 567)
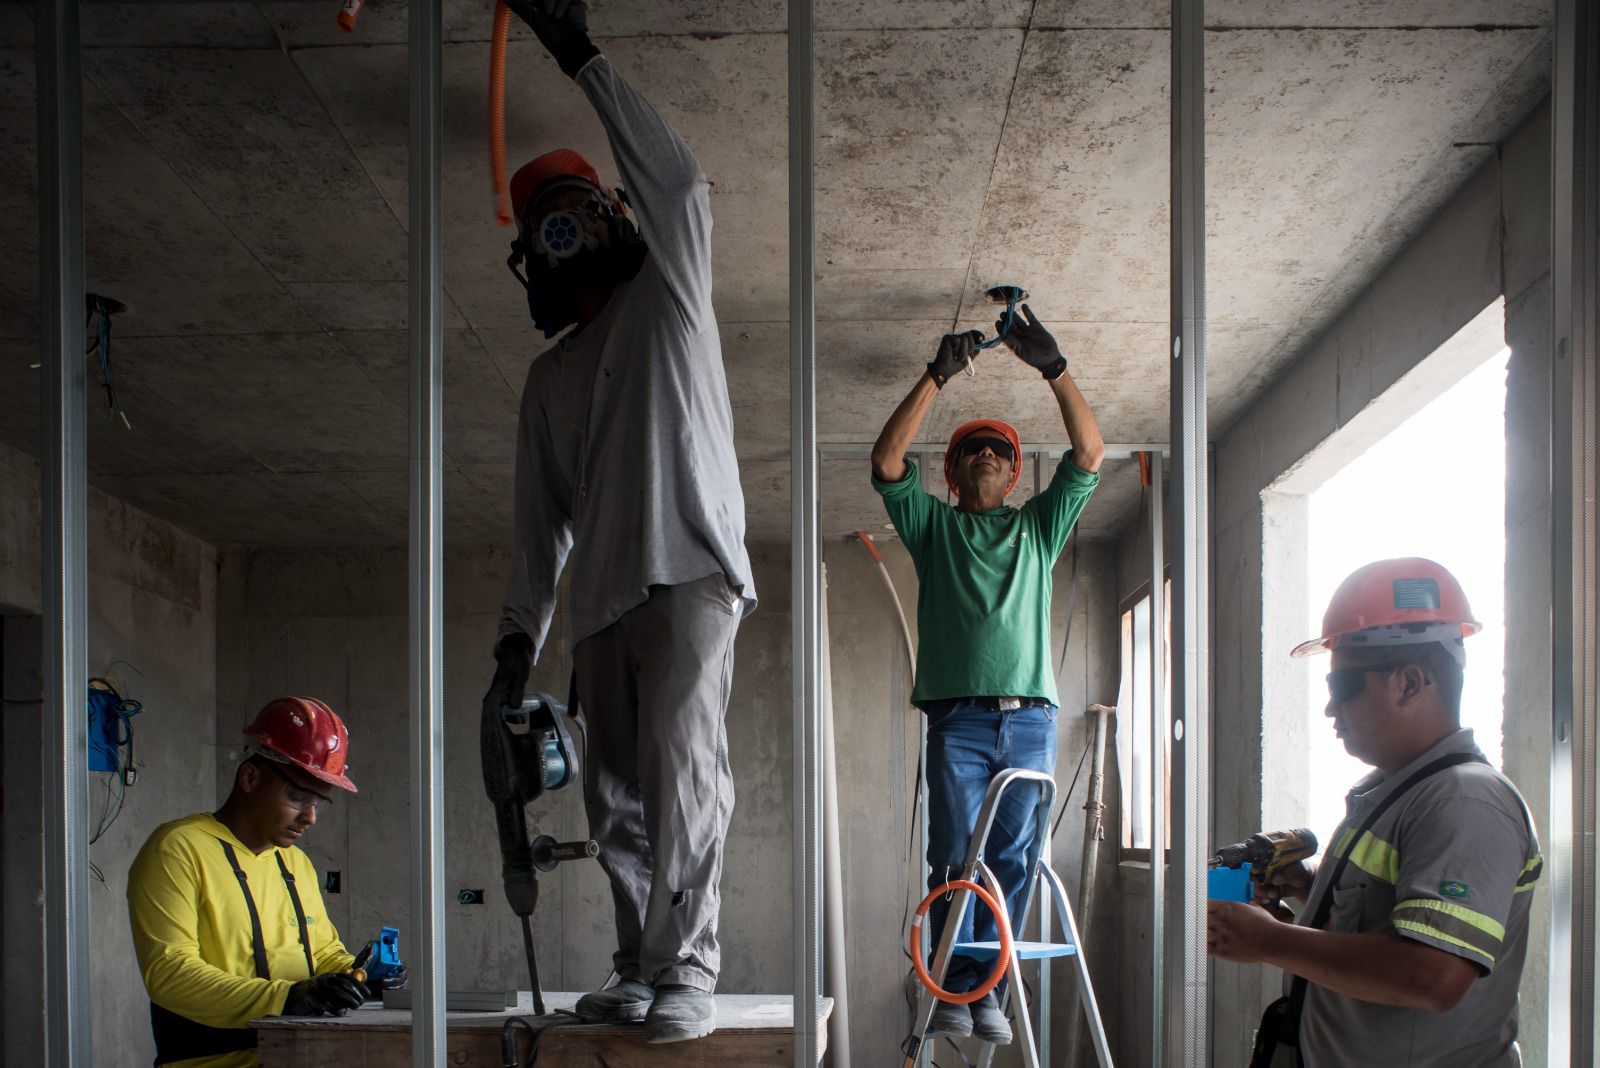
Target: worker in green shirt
point(983, 613)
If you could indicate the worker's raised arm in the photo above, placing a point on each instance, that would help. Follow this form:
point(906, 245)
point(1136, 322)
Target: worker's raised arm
point(888, 452)
point(666, 189)
point(1035, 347)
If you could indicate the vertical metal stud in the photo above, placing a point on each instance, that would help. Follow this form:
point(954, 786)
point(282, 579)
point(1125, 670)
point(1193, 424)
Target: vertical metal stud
point(426, 539)
point(1185, 992)
point(805, 558)
point(1575, 438)
point(64, 494)
point(1158, 760)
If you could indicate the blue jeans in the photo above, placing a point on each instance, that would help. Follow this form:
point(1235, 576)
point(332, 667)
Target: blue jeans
point(968, 745)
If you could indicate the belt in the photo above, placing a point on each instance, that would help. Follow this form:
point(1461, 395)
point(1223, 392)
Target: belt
point(993, 704)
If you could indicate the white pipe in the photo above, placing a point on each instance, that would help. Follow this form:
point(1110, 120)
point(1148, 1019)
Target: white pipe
point(833, 957)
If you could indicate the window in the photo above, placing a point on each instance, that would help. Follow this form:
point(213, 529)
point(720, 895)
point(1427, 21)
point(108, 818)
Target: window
point(1133, 729)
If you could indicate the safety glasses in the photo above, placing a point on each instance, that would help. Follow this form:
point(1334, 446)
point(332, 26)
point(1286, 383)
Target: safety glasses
point(999, 446)
point(1347, 683)
point(298, 796)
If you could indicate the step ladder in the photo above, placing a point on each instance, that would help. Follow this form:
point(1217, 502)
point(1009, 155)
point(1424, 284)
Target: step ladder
point(1044, 887)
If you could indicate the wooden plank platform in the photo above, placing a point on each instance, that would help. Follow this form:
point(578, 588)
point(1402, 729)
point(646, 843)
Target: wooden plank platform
point(752, 1030)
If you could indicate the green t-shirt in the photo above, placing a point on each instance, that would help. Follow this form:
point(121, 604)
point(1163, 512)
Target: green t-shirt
point(983, 612)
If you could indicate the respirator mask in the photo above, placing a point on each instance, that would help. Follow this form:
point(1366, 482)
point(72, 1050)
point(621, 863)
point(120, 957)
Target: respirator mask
point(563, 252)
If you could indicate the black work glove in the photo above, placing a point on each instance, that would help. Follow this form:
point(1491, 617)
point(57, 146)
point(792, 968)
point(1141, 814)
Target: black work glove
point(513, 656)
point(955, 352)
point(1033, 344)
point(328, 994)
point(562, 26)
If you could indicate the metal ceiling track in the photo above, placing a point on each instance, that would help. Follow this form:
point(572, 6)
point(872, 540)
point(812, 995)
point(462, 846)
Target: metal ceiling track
point(64, 488)
point(1573, 866)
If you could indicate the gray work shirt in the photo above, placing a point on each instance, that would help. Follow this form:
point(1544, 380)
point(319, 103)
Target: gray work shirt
point(1451, 864)
point(625, 458)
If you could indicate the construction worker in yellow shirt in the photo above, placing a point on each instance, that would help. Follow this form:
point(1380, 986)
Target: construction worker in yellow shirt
point(228, 922)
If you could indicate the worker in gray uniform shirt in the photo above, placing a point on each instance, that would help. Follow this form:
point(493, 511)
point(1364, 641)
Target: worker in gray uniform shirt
point(1418, 962)
point(626, 471)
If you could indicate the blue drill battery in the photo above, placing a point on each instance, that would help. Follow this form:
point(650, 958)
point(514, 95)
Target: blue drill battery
point(1229, 884)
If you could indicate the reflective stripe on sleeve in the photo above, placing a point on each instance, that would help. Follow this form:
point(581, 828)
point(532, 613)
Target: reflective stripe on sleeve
point(1530, 874)
point(1450, 923)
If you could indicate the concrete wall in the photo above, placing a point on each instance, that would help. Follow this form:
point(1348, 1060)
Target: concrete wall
point(152, 621)
point(332, 624)
point(1490, 240)
point(878, 732)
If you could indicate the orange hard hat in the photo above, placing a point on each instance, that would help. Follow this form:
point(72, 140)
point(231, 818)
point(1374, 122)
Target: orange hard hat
point(306, 733)
point(536, 173)
point(978, 426)
point(1409, 601)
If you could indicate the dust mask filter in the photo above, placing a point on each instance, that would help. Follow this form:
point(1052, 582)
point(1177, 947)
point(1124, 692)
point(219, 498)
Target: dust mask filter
point(564, 234)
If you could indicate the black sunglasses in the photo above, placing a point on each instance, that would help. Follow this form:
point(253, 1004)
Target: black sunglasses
point(1347, 683)
point(999, 446)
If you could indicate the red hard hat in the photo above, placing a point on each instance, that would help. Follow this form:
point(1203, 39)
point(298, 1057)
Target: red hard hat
point(562, 163)
point(978, 426)
point(306, 733)
point(1408, 601)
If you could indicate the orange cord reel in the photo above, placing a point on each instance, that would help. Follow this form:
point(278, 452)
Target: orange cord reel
point(1000, 965)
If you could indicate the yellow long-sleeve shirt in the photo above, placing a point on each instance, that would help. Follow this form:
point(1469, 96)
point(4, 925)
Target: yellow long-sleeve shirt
point(192, 934)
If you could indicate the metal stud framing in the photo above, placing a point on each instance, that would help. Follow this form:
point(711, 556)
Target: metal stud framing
point(64, 490)
point(1186, 1040)
point(805, 549)
point(1575, 438)
point(426, 537)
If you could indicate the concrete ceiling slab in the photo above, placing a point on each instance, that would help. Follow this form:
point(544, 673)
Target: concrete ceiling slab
point(480, 410)
point(907, 126)
point(243, 129)
point(178, 25)
point(312, 25)
point(296, 402)
point(246, 176)
point(1353, 14)
point(703, 87)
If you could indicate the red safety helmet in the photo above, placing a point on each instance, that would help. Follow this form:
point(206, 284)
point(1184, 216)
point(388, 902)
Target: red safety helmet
point(1409, 601)
point(536, 173)
point(978, 426)
point(306, 733)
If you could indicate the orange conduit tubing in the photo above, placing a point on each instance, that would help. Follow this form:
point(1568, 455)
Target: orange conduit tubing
point(1000, 965)
point(497, 113)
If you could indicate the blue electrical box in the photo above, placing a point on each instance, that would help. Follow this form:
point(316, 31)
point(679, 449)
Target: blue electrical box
point(1229, 884)
point(105, 728)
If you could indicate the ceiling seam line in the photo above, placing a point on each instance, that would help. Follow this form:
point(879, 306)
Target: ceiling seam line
point(206, 204)
point(994, 166)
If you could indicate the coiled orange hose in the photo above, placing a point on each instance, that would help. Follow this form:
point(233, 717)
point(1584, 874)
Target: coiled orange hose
point(497, 114)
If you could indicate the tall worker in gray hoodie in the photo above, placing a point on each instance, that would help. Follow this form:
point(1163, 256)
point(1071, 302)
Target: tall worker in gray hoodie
point(626, 470)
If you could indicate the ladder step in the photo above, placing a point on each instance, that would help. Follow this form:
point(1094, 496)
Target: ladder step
point(1022, 950)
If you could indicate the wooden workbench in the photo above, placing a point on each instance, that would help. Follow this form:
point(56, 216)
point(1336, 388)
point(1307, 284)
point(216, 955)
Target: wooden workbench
point(752, 1031)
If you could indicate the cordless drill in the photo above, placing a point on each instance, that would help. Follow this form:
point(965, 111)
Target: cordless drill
point(1267, 853)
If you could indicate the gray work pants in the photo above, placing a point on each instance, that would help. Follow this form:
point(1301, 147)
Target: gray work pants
point(654, 686)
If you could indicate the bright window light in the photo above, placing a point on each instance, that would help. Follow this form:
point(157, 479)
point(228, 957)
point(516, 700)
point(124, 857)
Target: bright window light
point(1434, 487)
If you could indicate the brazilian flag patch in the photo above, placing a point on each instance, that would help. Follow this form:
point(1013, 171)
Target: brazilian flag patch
point(1454, 889)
